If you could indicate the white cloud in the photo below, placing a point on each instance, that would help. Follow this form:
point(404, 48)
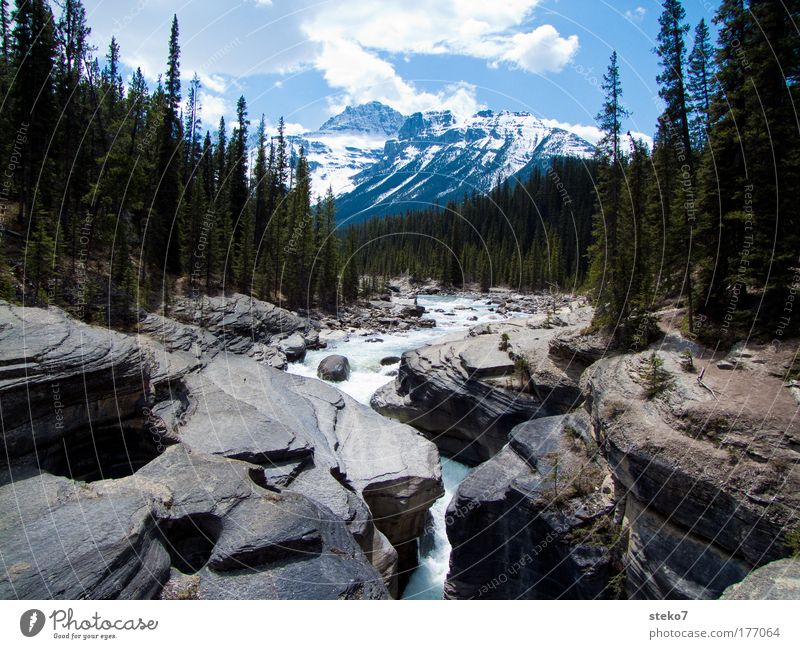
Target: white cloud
point(363, 76)
point(261, 36)
point(638, 135)
point(289, 128)
point(542, 50)
point(214, 82)
point(484, 30)
point(353, 34)
point(591, 133)
point(212, 108)
point(636, 15)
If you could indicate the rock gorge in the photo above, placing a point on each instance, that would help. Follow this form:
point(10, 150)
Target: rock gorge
point(183, 462)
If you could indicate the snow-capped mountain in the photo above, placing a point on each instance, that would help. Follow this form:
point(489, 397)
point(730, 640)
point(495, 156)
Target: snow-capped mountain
point(347, 144)
point(379, 162)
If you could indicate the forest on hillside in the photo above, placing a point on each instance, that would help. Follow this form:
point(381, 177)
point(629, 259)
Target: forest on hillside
point(117, 196)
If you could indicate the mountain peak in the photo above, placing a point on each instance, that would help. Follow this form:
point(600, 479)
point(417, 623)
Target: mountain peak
point(372, 118)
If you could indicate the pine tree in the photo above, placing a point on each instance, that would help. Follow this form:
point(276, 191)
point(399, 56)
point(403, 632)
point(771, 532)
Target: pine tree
point(328, 253)
point(74, 161)
point(223, 241)
point(349, 274)
point(772, 145)
point(260, 184)
point(700, 79)
point(607, 271)
point(165, 231)
point(277, 233)
point(4, 30)
point(33, 100)
point(239, 192)
point(299, 248)
point(671, 50)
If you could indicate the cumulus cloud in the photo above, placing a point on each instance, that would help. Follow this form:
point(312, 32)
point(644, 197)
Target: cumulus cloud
point(542, 50)
point(353, 35)
point(289, 128)
point(212, 108)
point(352, 43)
point(591, 133)
point(363, 76)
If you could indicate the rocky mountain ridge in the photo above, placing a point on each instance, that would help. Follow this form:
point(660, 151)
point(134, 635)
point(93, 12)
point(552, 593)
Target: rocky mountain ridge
point(378, 161)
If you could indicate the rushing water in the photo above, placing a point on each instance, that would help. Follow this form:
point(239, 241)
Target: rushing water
point(452, 314)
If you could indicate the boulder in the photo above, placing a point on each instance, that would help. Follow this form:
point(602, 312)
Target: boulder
point(183, 515)
point(390, 360)
point(240, 322)
point(776, 580)
point(334, 368)
point(71, 541)
point(293, 347)
point(466, 393)
point(370, 471)
point(269, 485)
point(56, 378)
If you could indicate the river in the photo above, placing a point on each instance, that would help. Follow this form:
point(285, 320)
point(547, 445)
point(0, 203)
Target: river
point(367, 375)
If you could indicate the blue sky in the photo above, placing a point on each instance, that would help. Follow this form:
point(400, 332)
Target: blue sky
point(307, 59)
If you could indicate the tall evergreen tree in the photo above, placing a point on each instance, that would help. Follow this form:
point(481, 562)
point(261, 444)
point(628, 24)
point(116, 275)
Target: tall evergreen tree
point(33, 100)
point(239, 192)
point(674, 121)
point(328, 253)
point(700, 80)
point(607, 268)
point(165, 227)
point(300, 245)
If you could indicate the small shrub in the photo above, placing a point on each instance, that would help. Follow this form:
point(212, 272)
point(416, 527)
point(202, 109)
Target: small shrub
point(687, 361)
point(793, 543)
point(522, 370)
point(616, 585)
point(504, 343)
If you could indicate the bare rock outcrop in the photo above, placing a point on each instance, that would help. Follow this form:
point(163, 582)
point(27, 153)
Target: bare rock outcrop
point(169, 431)
point(467, 392)
point(705, 463)
point(536, 521)
point(776, 580)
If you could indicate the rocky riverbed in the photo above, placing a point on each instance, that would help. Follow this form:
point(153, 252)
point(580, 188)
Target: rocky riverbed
point(183, 461)
point(180, 462)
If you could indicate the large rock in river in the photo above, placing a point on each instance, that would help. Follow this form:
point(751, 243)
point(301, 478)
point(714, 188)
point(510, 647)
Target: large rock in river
point(230, 438)
point(334, 368)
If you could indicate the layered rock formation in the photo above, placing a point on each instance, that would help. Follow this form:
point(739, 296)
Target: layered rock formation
point(706, 467)
point(776, 580)
point(468, 392)
point(686, 472)
point(205, 473)
point(535, 521)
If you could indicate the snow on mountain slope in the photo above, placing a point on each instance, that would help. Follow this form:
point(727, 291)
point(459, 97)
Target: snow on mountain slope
point(346, 144)
point(379, 162)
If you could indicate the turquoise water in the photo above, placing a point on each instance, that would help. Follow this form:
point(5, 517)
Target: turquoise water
point(367, 375)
